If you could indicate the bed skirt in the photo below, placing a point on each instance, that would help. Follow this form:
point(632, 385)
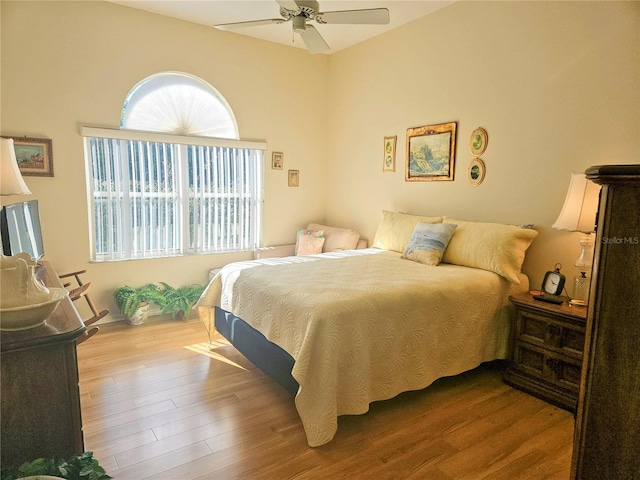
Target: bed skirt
point(267, 356)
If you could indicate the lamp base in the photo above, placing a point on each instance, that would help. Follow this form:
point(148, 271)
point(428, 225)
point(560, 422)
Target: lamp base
point(585, 260)
point(581, 285)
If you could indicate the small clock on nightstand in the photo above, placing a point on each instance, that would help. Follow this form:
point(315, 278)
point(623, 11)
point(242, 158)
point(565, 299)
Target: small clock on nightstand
point(552, 286)
point(553, 282)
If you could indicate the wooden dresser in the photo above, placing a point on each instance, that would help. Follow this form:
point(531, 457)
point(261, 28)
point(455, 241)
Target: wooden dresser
point(607, 435)
point(548, 345)
point(40, 406)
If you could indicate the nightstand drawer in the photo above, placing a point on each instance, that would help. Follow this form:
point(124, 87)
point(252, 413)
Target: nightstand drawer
point(546, 331)
point(539, 362)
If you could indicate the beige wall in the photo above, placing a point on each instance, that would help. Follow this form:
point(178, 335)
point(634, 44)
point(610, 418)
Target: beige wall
point(67, 64)
point(555, 84)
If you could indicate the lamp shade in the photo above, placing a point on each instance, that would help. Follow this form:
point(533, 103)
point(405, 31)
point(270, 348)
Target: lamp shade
point(11, 182)
point(578, 213)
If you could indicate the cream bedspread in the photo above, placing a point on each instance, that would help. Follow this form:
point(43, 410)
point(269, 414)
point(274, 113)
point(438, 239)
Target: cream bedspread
point(364, 325)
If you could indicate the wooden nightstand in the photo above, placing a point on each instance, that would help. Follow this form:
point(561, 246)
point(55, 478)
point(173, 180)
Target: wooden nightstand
point(548, 346)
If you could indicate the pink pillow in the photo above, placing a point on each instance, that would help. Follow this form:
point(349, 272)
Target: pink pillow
point(309, 242)
point(336, 239)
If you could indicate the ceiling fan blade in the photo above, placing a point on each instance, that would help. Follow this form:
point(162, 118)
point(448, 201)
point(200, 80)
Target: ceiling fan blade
point(313, 40)
point(252, 23)
point(372, 16)
point(288, 4)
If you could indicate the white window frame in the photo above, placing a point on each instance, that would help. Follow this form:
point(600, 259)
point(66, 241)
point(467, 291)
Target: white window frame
point(189, 242)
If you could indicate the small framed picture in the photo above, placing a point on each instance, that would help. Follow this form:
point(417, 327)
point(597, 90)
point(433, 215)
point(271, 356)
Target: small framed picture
point(34, 156)
point(277, 160)
point(478, 141)
point(294, 178)
point(389, 158)
point(475, 172)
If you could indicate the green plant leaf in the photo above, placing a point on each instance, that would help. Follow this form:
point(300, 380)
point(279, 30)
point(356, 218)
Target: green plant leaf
point(39, 466)
point(79, 467)
point(180, 299)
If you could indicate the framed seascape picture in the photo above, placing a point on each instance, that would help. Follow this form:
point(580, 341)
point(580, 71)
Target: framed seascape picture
point(277, 160)
point(34, 156)
point(389, 157)
point(431, 152)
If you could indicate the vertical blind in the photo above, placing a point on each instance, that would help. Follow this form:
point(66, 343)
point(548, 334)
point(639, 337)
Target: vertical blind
point(158, 195)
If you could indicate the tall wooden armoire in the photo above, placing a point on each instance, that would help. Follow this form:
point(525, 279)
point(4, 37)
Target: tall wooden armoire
point(607, 436)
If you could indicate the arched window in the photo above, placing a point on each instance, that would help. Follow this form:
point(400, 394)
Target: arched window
point(175, 179)
point(178, 103)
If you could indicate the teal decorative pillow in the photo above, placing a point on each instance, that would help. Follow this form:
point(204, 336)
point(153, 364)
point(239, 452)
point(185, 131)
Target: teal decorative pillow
point(428, 242)
point(309, 242)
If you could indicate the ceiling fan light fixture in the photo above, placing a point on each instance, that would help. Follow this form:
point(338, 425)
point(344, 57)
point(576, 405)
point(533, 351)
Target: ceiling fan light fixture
point(299, 23)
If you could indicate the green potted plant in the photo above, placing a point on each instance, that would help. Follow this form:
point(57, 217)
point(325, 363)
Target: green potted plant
point(179, 301)
point(134, 302)
point(78, 467)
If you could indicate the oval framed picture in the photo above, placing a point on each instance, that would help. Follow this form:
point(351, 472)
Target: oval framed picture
point(475, 172)
point(478, 141)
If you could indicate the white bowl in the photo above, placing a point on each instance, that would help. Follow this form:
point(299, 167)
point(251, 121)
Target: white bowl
point(30, 316)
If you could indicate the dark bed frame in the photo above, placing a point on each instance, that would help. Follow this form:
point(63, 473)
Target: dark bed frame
point(267, 356)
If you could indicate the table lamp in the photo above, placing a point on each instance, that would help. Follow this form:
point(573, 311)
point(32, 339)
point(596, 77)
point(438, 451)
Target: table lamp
point(578, 214)
point(11, 181)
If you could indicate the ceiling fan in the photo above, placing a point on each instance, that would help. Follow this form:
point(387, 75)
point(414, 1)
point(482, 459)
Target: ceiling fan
point(300, 12)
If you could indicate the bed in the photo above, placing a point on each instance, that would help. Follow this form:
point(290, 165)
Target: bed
point(346, 328)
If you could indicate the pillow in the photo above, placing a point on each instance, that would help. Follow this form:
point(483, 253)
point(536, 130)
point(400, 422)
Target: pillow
point(336, 239)
point(395, 229)
point(428, 242)
point(490, 246)
point(308, 242)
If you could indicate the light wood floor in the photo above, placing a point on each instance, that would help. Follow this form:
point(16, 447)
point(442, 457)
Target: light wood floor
point(156, 403)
